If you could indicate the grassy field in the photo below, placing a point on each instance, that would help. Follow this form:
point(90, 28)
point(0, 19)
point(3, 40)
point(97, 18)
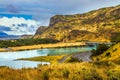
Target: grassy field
point(64, 71)
point(52, 59)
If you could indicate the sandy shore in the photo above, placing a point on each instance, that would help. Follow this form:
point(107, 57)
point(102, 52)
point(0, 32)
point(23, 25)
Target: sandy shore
point(40, 46)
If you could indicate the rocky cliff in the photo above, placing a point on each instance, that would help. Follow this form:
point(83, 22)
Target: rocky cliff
point(97, 25)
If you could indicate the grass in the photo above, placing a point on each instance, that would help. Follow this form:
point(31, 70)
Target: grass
point(104, 67)
point(41, 46)
point(52, 59)
point(64, 71)
point(112, 54)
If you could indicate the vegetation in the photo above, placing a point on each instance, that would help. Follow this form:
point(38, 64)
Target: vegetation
point(115, 38)
point(98, 25)
point(106, 61)
point(51, 59)
point(24, 42)
point(100, 49)
point(64, 71)
point(111, 54)
point(106, 68)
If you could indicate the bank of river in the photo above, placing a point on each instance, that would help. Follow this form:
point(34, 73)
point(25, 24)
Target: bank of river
point(41, 46)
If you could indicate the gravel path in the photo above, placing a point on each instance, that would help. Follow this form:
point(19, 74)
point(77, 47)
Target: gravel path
point(84, 56)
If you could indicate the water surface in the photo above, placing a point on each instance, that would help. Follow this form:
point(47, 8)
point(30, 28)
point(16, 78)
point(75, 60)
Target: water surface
point(7, 58)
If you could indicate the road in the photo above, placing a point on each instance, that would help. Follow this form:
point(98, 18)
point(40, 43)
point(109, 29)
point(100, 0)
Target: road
point(84, 56)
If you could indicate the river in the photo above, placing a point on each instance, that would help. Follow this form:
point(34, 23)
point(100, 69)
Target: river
point(8, 58)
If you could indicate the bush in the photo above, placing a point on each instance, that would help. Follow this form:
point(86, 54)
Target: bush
point(114, 50)
point(108, 54)
point(91, 74)
point(100, 49)
point(66, 73)
point(72, 59)
point(113, 75)
point(45, 76)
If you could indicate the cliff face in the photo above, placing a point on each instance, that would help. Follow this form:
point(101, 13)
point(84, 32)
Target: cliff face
point(97, 25)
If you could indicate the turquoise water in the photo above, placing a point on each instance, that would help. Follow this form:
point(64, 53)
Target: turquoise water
point(7, 58)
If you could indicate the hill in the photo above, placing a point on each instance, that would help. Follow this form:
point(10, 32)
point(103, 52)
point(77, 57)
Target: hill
point(112, 54)
point(98, 25)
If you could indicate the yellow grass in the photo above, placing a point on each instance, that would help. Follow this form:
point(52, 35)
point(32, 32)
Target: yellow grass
point(39, 46)
point(114, 54)
point(52, 59)
point(64, 71)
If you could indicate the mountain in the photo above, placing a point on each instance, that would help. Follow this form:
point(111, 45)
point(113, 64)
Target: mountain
point(26, 36)
point(5, 36)
point(97, 25)
point(2, 34)
point(40, 30)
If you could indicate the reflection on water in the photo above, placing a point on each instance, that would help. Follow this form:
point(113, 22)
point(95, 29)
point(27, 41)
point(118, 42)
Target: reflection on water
point(21, 64)
point(6, 58)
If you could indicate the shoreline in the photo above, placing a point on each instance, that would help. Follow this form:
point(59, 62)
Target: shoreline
point(42, 46)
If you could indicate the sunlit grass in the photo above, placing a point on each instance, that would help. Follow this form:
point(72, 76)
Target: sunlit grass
point(64, 71)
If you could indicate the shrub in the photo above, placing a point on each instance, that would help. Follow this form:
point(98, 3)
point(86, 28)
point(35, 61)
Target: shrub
point(91, 74)
point(72, 59)
point(114, 50)
point(100, 49)
point(113, 75)
point(66, 73)
point(46, 76)
point(108, 54)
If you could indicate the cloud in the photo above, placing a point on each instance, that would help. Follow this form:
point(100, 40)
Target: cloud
point(12, 9)
point(49, 8)
point(18, 26)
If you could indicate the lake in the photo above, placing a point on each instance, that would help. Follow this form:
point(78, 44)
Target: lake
point(8, 58)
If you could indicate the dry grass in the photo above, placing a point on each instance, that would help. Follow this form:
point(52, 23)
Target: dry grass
point(65, 71)
point(112, 54)
point(39, 46)
point(52, 59)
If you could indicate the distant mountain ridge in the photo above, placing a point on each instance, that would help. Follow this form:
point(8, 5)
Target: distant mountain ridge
point(5, 36)
point(96, 25)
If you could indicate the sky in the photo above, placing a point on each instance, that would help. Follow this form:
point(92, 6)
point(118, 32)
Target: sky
point(19, 17)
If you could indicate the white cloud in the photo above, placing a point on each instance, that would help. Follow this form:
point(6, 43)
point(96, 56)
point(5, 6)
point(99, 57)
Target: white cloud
point(19, 26)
